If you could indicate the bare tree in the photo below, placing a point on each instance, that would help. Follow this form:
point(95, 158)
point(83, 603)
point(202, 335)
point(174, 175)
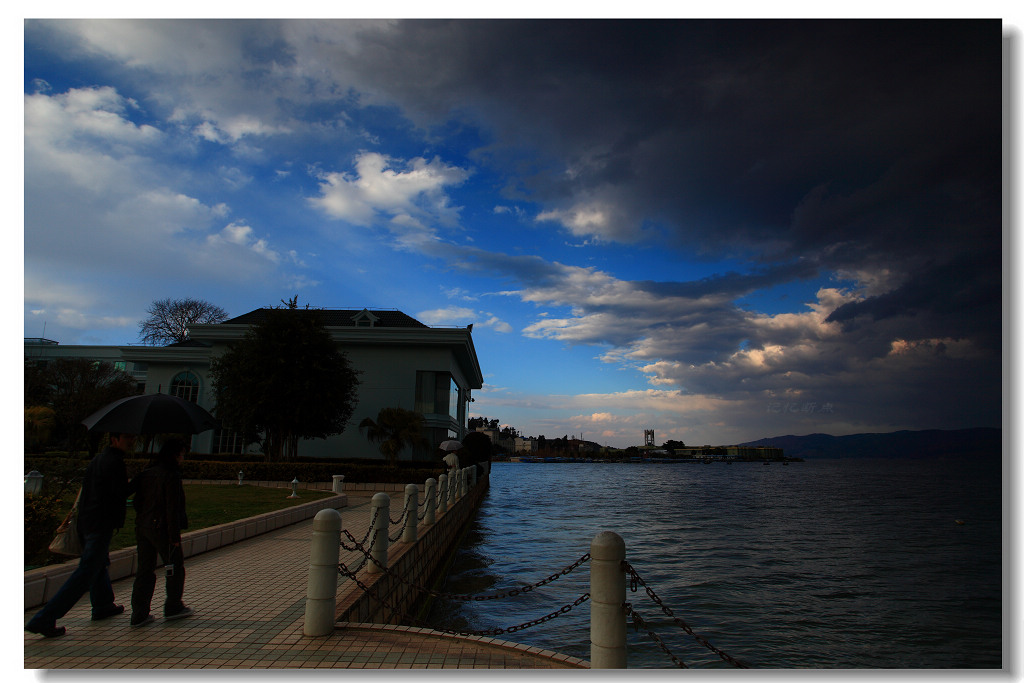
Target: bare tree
point(167, 320)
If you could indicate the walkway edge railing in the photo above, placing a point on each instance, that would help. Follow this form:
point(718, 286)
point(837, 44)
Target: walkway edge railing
point(42, 583)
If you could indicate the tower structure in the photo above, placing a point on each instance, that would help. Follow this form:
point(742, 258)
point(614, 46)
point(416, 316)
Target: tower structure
point(648, 437)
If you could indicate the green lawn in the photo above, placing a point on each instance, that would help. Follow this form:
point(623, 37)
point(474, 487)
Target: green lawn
point(209, 505)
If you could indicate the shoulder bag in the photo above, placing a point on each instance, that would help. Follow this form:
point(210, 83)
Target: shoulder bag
point(66, 542)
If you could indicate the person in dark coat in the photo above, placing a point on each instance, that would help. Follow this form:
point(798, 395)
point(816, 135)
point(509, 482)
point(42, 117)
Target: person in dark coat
point(159, 518)
point(101, 511)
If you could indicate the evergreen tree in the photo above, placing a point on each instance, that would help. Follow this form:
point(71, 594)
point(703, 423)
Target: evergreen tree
point(285, 380)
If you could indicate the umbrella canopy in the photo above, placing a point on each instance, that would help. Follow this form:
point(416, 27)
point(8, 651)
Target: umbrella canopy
point(151, 414)
point(450, 445)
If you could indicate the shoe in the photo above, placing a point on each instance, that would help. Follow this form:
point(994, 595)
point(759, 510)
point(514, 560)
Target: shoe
point(47, 631)
point(106, 612)
point(148, 619)
point(180, 614)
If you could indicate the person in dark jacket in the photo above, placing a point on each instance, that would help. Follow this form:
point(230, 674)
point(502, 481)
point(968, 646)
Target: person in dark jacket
point(159, 518)
point(101, 510)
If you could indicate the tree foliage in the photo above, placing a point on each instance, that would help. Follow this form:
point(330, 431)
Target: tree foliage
point(393, 430)
point(78, 387)
point(39, 424)
point(285, 380)
point(167, 320)
point(476, 448)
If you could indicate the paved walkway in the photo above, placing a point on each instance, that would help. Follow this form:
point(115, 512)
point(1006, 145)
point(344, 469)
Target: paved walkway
point(249, 599)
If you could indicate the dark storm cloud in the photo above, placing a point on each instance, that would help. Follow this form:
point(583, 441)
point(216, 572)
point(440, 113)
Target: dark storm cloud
point(725, 128)
point(869, 147)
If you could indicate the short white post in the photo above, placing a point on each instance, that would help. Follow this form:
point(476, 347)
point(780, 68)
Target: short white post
point(380, 515)
point(442, 489)
point(412, 504)
point(322, 588)
point(607, 595)
point(295, 485)
point(429, 501)
point(339, 483)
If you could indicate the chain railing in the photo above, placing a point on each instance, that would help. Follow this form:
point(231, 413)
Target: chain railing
point(635, 580)
point(367, 557)
point(611, 655)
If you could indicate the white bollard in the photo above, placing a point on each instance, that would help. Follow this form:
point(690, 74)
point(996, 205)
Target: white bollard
point(607, 595)
point(380, 514)
point(430, 501)
point(322, 587)
point(452, 485)
point(442, 493)
point(339, 483)
point(412, 504)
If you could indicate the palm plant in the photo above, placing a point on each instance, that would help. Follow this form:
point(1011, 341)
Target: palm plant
point(394, 429)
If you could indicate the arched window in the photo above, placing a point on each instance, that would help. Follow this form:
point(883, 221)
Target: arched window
point(185, 385)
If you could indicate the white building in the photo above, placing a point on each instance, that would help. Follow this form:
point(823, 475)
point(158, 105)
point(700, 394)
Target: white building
point(404, 364)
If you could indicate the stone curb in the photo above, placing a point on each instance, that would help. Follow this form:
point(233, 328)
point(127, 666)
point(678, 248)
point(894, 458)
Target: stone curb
point(43, 583)
point(486, 640)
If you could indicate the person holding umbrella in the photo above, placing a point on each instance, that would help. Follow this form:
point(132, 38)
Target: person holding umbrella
point(101, 510)
point(159, 518)
point(450, 458)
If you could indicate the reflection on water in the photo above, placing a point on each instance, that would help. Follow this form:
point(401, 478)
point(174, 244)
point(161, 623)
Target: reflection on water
point(830, 564)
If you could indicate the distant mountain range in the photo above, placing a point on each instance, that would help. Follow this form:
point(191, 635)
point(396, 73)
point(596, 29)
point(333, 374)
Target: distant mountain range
point(932, 443)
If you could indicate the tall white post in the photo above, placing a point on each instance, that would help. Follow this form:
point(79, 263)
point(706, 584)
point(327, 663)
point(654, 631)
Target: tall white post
point(322, 586)
point(380, 514)
point(607, 595)
point(412, 503)
point(453, 480)
point(463, 482)
point(430, 500)
point(442, 493)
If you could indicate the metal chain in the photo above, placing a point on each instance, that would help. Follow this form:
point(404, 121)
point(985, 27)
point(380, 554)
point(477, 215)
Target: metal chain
point(400, 520)
point(635, 580)
point(565, 609)
point(464, 597)
point(373, 521)
point(638, 623)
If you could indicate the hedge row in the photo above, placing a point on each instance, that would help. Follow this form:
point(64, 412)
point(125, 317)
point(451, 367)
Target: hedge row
point(303, 471)
point(306, 472)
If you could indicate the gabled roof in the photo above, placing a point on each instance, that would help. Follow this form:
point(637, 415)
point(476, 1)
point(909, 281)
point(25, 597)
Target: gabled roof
point(333, 317)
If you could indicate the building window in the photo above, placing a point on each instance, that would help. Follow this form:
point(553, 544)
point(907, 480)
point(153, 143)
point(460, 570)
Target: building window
point(227, 442)
point(437, 394)
point(185, 385)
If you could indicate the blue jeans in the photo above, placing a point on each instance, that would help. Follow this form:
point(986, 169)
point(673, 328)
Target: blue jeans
point(91, 576)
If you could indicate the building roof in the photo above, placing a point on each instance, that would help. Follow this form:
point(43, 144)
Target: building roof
point(333, 317)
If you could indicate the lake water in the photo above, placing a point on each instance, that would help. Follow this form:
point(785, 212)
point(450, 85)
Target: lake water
point(820, 564)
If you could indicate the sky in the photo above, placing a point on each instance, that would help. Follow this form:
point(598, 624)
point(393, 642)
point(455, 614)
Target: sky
point(719, 230)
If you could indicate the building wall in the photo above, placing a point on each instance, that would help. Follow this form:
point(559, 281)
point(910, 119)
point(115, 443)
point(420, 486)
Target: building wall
point(389, 360)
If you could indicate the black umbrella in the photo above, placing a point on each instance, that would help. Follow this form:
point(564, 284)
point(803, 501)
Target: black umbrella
point(151, 414)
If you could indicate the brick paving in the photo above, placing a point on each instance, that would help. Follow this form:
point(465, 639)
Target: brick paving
point(249, 599)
